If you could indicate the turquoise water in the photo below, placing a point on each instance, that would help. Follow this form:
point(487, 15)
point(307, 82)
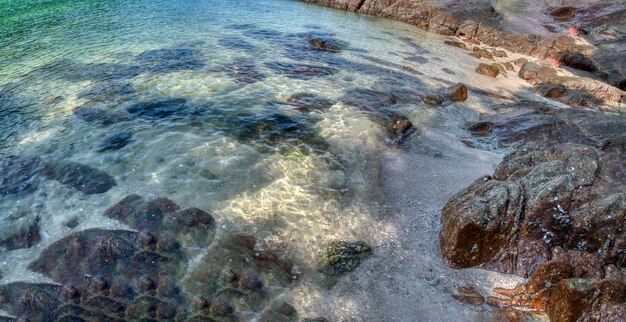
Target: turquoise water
point(219, 105)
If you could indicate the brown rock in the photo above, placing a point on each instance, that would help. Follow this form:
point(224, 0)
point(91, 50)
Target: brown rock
point(457, 44)
point(488, 70)
point(455, 93)
point(569, 299)
point(469, 295)
point(563, 13)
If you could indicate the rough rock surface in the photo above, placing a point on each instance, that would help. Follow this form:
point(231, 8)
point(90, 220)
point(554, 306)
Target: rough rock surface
point(145, 274)
point(554, 210)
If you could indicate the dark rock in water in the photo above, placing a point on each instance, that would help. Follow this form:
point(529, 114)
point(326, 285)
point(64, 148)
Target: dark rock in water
point(106, 92)
point(280, 312)
point(318, 319)
point(105, 273)
point(454, 93)
point(163, 108)
point(21, 231)
point(340, 257)
point(326, 44)
point(417, 59)
point(308, 102)
point(457, 44)
point(378, 98)
point(192, 227)
point(115, 142)
point(300, 71)
point(78, 72)
point(275, 129)
point(169, 60)
point(236, 44)
point(567, 96)
point(563, 13)
point(577, 61)
point(35, 302)
point(481, 53)
point(401, 130)
point(237, 273)
point(244, 72)
point(480, 128)
point(488, 70)
point(18, 175)
point(79, 176)
point(99, 116)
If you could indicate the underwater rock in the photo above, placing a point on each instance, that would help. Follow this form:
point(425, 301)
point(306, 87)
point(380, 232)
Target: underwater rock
point(79, 176)
point(106, 91)
point(309, 102)
point(168, 60)
point(239, 275)
point(244, 72)
point(115, 142)
point(457, 44)
point(300, 71)
point(275, 129)
point(280, 312)
point(79, 72)
point(17, 175)
point(378, 98)
point(163, 108)
point(236, 44)
point(562, 94)
point(401, 130)
point(326, 44)
point(340, 257)
point(104, 273)
point(565, 13)
point(161, 216)
point(488, 70)
point(35, 302)
point(99, 116)
point(20, 230)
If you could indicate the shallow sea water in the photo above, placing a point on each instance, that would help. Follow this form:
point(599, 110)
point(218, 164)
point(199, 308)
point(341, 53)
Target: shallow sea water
point(293, 179)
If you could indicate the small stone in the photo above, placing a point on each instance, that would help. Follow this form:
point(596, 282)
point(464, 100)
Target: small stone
point(488, 70)
point(457, 44)
point(340, 257)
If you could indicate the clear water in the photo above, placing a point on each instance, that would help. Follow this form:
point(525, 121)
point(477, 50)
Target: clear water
point(292, 192)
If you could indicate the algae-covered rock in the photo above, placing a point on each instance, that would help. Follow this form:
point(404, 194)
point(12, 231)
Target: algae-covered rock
point(340, 257)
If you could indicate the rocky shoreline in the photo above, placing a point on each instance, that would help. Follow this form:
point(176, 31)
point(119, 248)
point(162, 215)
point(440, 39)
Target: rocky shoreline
point(554, 210)
point(576, 39)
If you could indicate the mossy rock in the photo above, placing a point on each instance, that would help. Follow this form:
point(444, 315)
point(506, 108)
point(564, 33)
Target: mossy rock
point(340, 257)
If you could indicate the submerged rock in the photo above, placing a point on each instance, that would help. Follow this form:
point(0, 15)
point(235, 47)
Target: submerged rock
point(308, 102)
point(340, 257)
point(106, 91)
point(17, 175)
point(240, 276)
point(99, 116)
point(401, 130)
point(300, 71)
point(326, 44)
point(115, 142)
point(244, 72)
point(167, 60)
point(163, 108)
point(79, 176)
point(21, 230)
point(192, 227)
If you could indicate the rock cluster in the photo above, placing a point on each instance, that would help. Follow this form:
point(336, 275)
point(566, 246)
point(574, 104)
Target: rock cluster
point(119, 275)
